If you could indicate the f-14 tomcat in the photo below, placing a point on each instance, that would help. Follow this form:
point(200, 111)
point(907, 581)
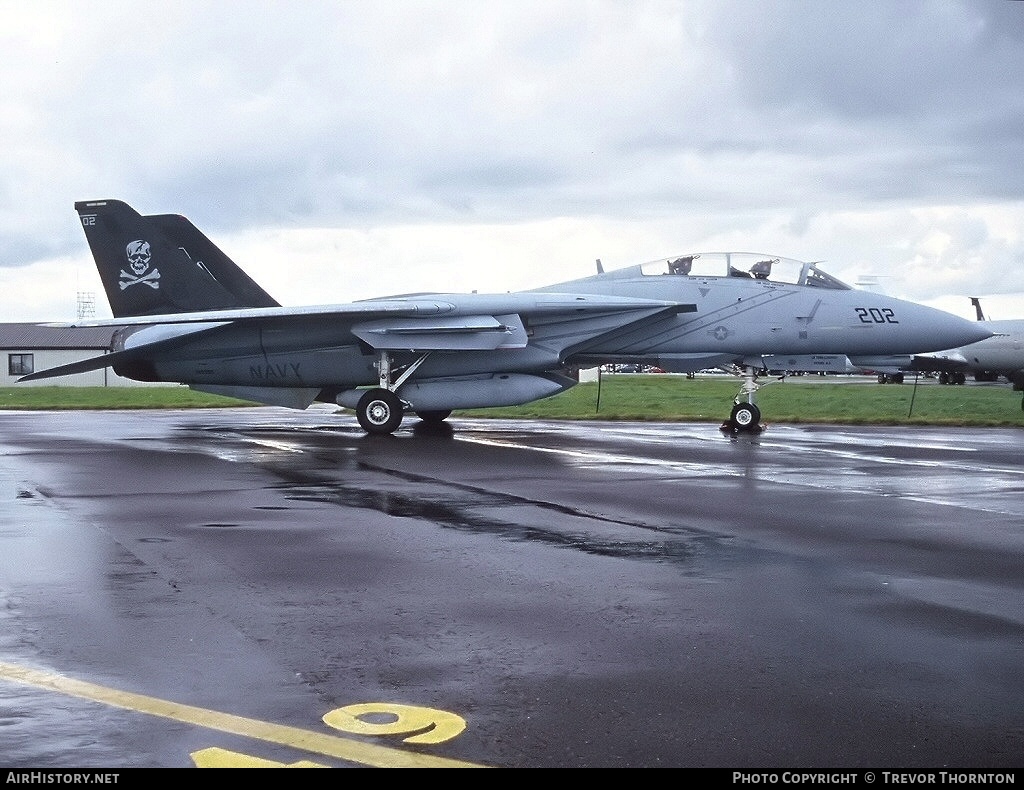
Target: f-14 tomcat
point(190, 315)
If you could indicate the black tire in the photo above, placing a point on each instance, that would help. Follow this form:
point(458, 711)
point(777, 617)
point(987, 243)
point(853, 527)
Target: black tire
point(435, 417)
point(379, 411)
point(745, 417)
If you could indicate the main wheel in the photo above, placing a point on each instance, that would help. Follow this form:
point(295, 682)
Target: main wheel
point(379, 411)
point(435, 417)
point(745, 417)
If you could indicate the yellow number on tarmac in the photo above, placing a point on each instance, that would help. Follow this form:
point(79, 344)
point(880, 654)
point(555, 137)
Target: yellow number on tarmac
point(427, 725)
point(222, 758)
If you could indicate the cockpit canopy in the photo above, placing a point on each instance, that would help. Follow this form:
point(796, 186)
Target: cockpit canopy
point(750, 265)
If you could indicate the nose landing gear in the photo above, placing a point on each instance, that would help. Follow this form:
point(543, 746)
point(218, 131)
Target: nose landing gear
point(745, 416)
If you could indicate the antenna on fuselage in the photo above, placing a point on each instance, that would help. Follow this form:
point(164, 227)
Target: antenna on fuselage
point(600, 268)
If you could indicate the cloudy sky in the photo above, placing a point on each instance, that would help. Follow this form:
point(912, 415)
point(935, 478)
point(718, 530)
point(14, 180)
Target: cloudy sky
point(347, 149)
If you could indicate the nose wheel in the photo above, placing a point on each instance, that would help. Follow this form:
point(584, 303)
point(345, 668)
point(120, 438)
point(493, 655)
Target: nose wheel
point(745, 417)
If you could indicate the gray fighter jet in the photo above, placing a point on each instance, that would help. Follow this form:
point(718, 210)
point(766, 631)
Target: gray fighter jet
point(190, 315)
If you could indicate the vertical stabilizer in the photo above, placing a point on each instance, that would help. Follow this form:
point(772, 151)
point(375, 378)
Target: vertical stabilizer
point(146, 268)
point(208, 255)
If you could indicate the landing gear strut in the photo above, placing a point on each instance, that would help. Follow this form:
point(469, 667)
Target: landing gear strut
point(745, 416)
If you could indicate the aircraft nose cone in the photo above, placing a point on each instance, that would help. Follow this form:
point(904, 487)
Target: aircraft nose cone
point(931, 329)
point(975, 331)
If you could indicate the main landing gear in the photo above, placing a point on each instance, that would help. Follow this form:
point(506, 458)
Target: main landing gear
point(380, 410)
point(745, 416)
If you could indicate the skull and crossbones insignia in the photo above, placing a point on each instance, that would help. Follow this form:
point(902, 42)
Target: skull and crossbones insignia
point(139, 255)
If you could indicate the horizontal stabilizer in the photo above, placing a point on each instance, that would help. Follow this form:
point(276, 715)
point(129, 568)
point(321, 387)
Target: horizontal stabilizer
point(82, 366)
point(137, 346)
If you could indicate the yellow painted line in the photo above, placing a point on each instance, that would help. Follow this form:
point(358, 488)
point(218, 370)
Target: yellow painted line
point(354, 751)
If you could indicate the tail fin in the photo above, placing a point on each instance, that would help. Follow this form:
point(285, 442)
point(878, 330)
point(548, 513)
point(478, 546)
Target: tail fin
point(152, 265)
point(977, 307)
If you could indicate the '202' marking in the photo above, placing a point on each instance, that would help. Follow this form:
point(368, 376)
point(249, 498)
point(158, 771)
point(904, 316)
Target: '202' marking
point(876, 315)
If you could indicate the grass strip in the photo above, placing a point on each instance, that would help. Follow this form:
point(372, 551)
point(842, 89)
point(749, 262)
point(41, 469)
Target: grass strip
point(654, 398)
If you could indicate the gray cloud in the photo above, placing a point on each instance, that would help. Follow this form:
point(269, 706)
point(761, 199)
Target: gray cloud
point(723, 116)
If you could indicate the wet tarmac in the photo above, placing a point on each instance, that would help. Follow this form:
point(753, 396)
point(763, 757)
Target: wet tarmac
point(269, 587)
